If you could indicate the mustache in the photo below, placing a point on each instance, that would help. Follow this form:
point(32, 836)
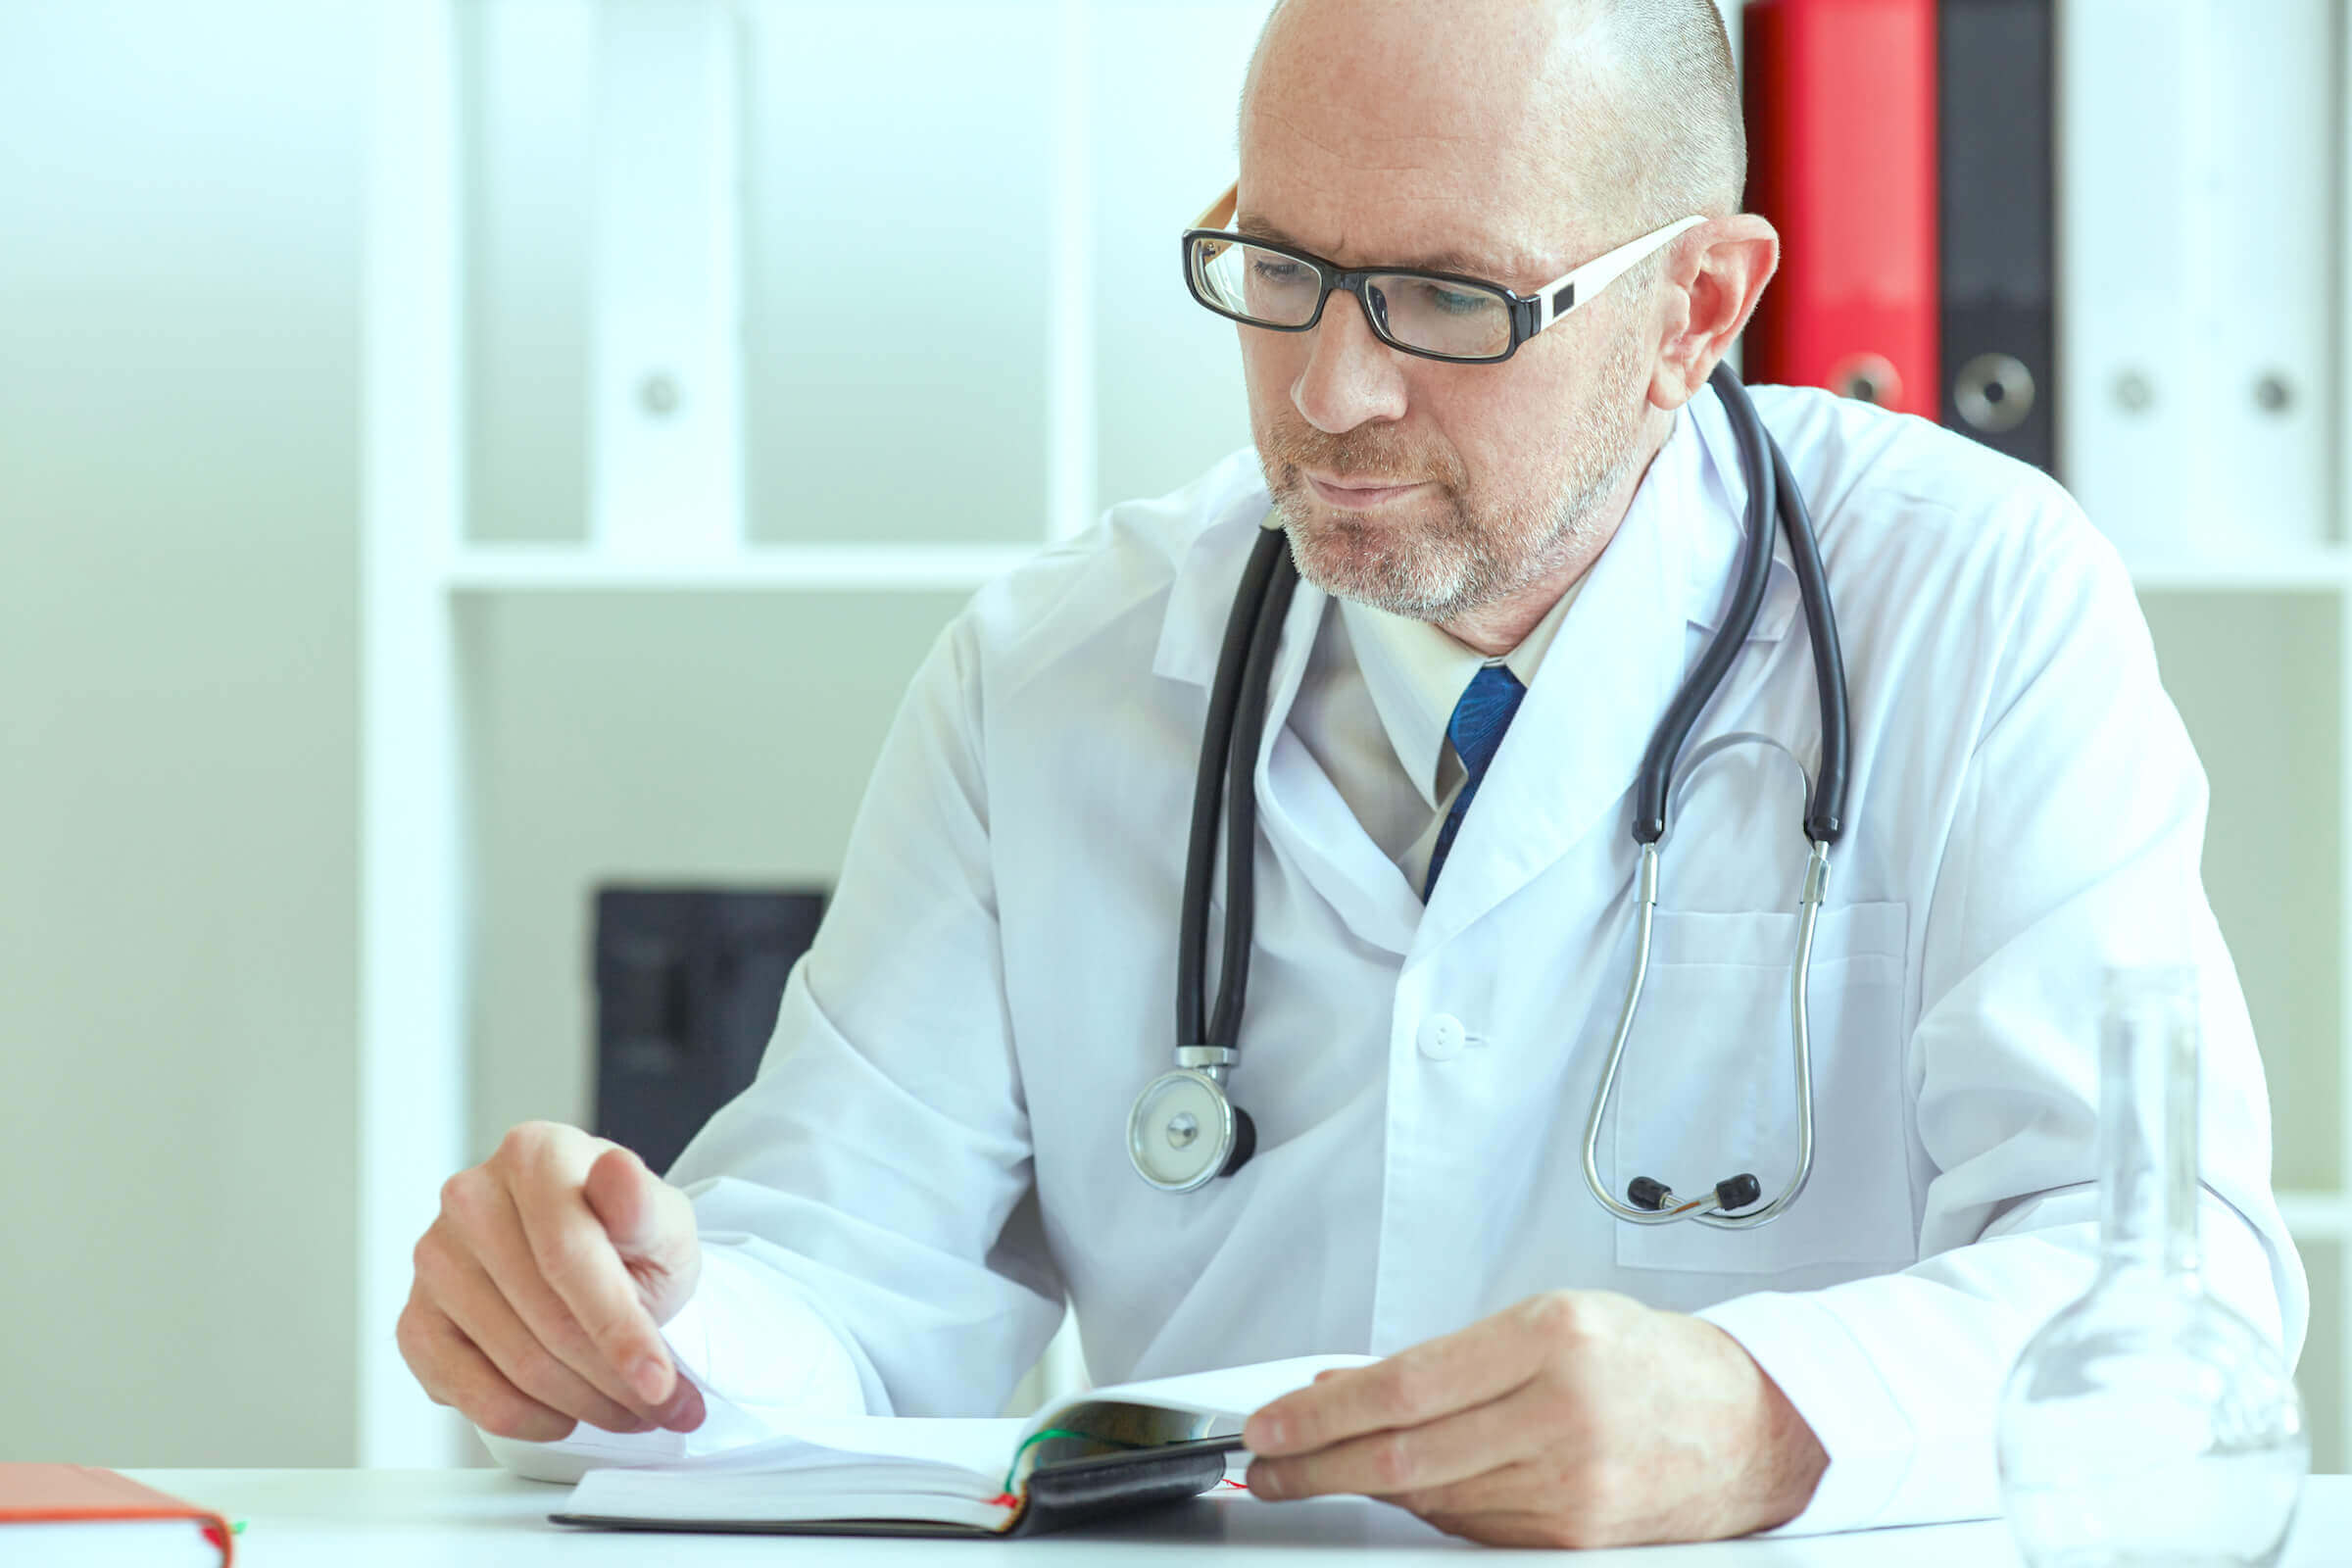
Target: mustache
point(1368, 452)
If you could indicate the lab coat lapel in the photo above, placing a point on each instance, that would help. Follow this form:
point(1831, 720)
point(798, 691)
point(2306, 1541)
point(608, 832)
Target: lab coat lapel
point(1305, 818)
point(1201, 598)
point(1713, 513)
point(1301, 812)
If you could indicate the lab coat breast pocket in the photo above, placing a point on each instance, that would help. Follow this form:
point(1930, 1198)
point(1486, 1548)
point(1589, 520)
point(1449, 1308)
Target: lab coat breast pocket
point(1708, 1088)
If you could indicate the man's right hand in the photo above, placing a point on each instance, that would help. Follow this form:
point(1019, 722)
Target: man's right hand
point(542, 1287)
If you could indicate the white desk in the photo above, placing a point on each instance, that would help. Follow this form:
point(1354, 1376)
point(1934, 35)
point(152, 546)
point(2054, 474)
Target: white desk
point(465, 1518)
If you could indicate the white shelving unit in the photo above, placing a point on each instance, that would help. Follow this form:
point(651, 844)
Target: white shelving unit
point(669, 62)
point(666, 335)
point(750, 568)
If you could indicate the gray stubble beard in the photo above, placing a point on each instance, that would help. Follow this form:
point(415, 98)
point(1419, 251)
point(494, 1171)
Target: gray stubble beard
point(1461, 564)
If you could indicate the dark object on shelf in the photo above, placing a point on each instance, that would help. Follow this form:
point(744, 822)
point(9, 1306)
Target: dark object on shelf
point(688, 981)
point(1904, 149)
point(1998, 230)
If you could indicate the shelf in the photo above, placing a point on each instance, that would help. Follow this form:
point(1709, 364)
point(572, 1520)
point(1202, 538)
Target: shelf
point(823, 567)
point(2318, 1216)
point(2313, 569)
point(763, 568)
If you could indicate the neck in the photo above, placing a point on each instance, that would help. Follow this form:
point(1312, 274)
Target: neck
point(1496, 627)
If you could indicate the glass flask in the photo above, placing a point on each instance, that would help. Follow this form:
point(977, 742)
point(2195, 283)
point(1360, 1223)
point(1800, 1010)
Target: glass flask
point(2148, 1423)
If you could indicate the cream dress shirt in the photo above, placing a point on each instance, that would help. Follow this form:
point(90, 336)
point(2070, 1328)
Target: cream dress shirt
point(1372, 710)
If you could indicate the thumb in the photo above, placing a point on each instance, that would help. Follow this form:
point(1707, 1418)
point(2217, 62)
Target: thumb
point(650, 1223)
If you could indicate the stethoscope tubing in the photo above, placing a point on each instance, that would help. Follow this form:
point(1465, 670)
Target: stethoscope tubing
point(1225, 701)
point(1241, 794)
point(1825, 812)
point(1650, 805)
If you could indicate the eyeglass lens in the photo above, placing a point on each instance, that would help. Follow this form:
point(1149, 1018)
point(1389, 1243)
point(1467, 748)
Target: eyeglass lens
point(1272, 289)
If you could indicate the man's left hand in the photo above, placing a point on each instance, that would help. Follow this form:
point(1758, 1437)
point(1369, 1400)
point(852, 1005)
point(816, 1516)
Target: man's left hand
point(1577, 1418)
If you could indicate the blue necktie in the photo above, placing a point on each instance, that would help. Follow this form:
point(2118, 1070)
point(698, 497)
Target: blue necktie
point(1478, 720)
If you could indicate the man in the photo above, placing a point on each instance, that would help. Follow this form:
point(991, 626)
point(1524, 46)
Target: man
point(935, 1152)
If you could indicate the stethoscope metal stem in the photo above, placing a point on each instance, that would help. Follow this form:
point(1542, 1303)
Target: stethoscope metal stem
point(1211, 1061)
point(1645, 904)
point(1706, 1212)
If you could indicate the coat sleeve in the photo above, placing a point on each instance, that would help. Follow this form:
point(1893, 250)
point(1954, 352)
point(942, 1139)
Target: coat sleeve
point(863, 1206)
point(2073, 848)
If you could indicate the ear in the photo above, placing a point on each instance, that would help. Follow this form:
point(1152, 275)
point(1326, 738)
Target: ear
point(1713, 280)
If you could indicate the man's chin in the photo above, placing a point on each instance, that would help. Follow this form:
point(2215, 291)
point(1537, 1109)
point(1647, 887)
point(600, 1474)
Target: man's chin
point(1347, 565)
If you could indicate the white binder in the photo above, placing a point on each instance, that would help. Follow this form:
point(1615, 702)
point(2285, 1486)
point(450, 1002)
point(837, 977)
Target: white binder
point(2196, 153)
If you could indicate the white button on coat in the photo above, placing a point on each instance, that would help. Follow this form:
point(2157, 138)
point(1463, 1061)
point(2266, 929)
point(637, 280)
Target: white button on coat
point(1441, 1036)
point(934, 1154)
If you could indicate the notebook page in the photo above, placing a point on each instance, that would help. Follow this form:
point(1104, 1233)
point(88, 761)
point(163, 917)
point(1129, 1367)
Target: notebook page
point(981, 1447)
point(885, 1491)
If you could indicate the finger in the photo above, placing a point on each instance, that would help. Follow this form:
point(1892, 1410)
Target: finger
point(652, 1227)
point(506, 1257)
point(474, 1304)
point(581, 1265)
point(1471, 1368)
point(1406, 1460)
point(455, 1373)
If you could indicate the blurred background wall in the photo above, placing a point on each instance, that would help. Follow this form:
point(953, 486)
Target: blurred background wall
point(184, 263)
point(180, 247)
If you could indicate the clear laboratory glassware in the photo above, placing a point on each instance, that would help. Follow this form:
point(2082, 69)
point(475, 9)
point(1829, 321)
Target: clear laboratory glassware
point(2148, 1423)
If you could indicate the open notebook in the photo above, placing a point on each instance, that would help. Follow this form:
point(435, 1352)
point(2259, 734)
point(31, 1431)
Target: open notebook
point(1115, 1450)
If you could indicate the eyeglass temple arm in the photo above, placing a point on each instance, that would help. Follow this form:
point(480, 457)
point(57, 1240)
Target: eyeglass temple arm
point(1220, 211)
point(1571, 289)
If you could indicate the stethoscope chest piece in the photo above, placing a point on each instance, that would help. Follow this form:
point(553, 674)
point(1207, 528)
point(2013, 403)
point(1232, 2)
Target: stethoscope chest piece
point(1183, 1133)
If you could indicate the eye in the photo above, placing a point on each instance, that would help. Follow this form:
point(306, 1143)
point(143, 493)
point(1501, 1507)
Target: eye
point(1454, 301)
point(1277, 269)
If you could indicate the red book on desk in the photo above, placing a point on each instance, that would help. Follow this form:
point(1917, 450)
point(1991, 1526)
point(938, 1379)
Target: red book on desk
point(72, 1513)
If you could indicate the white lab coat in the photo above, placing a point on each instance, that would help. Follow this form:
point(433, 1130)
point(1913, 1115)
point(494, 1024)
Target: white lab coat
point(994, 978)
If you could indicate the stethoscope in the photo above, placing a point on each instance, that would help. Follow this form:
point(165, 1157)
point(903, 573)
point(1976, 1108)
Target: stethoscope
point(1185, 1130)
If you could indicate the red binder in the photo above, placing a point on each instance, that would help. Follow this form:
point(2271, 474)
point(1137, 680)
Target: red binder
point(52, 1495)
point(1841, 109)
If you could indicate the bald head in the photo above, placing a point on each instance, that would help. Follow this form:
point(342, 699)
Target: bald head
point(1564, 126)
point(1508, 141)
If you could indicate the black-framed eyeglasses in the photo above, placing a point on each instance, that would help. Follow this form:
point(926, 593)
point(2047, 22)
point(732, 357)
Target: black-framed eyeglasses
point(1438, 315)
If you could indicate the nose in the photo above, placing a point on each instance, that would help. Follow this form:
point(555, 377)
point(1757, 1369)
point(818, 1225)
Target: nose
point(1350, 377)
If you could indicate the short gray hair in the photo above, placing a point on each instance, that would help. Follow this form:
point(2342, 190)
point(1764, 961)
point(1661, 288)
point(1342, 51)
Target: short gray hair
point(1678, 145)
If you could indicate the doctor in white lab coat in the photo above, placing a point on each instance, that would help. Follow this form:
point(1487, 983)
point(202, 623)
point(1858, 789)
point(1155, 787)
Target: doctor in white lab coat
point(934, 1155)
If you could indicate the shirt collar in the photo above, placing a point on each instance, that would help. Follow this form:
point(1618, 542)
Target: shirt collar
point(1416, 673)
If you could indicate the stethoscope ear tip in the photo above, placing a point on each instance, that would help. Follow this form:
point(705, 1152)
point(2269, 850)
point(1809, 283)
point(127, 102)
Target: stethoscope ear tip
point(1731, 1194)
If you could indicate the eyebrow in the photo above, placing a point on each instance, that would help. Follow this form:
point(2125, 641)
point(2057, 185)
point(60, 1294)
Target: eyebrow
point(1449, 261)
